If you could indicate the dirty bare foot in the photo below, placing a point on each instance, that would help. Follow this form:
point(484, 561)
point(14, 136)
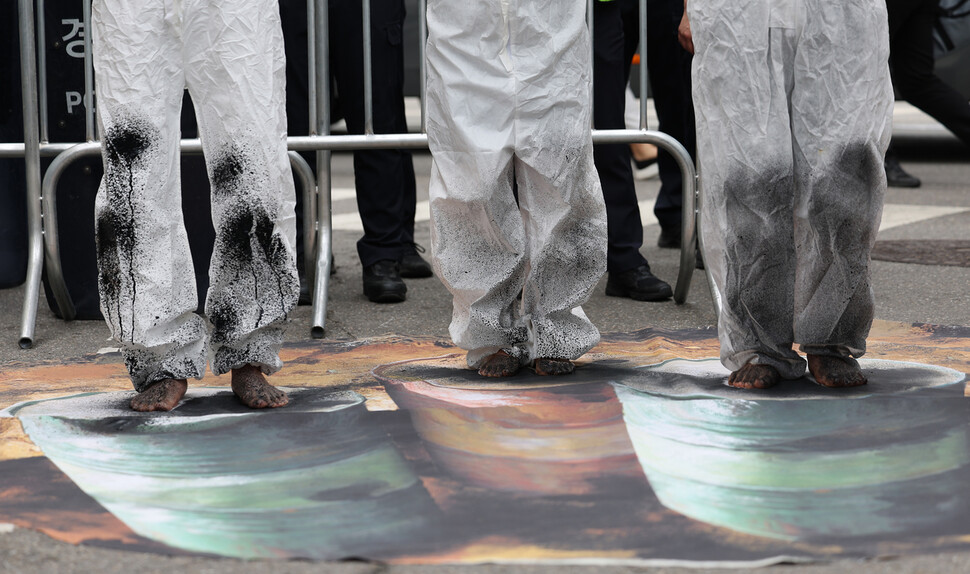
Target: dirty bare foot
point(554, 366)
point(162, 395)
point(753, 376)
point(830, 371)
point(250, 386)
point(499, 364)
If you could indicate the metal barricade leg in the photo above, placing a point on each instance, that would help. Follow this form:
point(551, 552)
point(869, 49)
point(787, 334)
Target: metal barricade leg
point(52, 251)
point(28, 75)
point(715, 294)
point(324, 231)
point(320, 82)
point(689, 221)
point(308, 183)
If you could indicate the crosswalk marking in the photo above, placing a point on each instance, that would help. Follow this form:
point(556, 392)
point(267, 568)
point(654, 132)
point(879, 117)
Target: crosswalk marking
point(894, 214)
point(897, 214)
point(351, 221)
point(339, 193)
point(646, 213)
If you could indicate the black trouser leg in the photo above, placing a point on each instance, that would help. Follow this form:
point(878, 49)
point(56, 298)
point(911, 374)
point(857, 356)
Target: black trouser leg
point(610, 72)
point(911, 58)
point(669, 68)
point(384, 178)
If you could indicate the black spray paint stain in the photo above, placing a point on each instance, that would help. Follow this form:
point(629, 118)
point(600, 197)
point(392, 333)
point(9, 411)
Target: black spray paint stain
point(227, 173)
point(845, 199)
point(759, 285)
point(147, 366)
point(248, 242)
point(125, 148)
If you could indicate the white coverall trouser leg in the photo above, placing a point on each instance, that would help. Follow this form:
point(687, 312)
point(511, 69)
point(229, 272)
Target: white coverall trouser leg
point(230, 56)
point(509, 100)
point(794, 108)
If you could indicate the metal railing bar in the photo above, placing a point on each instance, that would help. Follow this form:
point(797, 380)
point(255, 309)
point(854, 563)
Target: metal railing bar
point(17, 150)
point(643, 64)
point(317, 215)
point(422, 62)
point(41, 29)
point(368, 70)
point(311, 11)
point(35, 225)
point(88, 98)
point(341, 142)
point(355, 142)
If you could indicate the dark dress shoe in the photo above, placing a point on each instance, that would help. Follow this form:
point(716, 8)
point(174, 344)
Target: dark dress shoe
point(414, 266)
point(383, 283)
point(669, 238)
point(896, 176)
point(638, 284)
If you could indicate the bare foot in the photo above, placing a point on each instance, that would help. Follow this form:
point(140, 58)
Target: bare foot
point(830, 371)
point(753, 376)
point(554, 366)
point(499, 364)
point(250, 386)
point(161, 395)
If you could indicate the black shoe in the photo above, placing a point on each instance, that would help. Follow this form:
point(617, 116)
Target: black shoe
point(638, 284)
point(669, 238)
point(413, 266)
point(645, 169)
point(896, 176)
point(383, 283)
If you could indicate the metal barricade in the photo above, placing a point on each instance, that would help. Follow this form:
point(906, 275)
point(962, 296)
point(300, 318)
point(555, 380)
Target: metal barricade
point(44, 252)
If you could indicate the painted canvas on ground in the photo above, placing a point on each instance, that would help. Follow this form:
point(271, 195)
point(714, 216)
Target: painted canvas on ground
point(392, 450)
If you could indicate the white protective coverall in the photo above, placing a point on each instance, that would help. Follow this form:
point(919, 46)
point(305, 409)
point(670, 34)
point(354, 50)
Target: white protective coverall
point(509, 100)
point(794, 108)
point(230, 56)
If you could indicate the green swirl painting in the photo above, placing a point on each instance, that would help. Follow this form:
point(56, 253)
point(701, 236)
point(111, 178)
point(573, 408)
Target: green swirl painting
point(392, 450)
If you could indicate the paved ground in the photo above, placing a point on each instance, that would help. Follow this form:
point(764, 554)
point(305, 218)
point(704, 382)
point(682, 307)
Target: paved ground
point(904, 292)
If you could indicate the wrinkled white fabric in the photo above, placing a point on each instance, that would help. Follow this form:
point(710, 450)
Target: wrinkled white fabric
point(509, 99)
point(794, 108)
point(230, 56)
